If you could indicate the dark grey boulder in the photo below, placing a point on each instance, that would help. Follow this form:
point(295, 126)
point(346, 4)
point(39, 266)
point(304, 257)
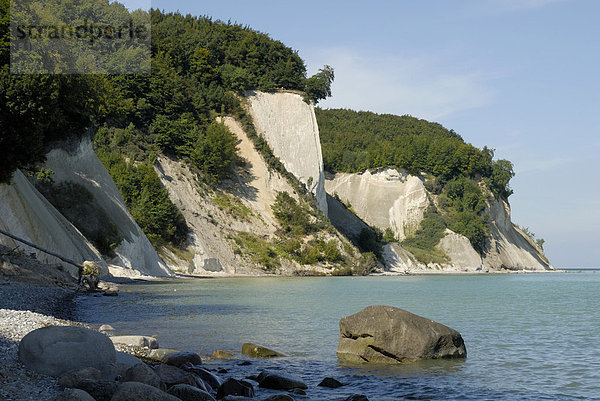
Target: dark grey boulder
point(171, 375)
point(258, 351)
point(185, 392)
point(55, 350)
point(142, 373)
point(70, 379)
point(134, 391)
point(180, 358)
point(385, 334)
point(279, 381)
point(234, 387)
point(101, 390)
point(330, 382)
point(208, 377)
point(73, 394)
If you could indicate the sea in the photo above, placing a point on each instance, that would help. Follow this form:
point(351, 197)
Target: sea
point(528, 336)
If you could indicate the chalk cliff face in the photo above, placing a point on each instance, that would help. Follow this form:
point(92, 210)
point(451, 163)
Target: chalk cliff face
point(25, 213)
point(80, 165)
point(383, 198)
point(209, 250)
point(290, 127)
point(387, 198)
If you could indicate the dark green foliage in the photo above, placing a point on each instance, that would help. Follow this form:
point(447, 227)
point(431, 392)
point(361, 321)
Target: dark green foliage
point(78, 205)
point(464, 204)
point(292, 216)
point(502, 172)
point(356, 141)
point(215, 151)
point(142, 191)
point(430, 233)
point(369, 240)
point(318, 87)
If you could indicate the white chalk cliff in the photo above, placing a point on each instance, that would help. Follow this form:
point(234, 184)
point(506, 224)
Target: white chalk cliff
point(80, 165)
point(387, 198)
point(290, 127)
point(25, 212)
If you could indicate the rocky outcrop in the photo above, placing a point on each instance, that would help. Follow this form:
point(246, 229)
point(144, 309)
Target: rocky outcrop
point(55, 350)
point(384, 334)
point(258, 351)
point(385, 198)
point(25, 213)
point(290, 127)
point(510, 248)
point(388, 198)
point(76, 162)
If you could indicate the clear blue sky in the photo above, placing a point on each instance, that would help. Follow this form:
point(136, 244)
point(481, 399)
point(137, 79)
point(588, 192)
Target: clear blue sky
point(520, 76)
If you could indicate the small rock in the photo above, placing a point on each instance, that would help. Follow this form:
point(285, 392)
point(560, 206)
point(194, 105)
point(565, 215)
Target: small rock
point(279, 381)
point(158, 354)
point(55, 350)
point(185, 392)
point(258, 351)
point(179, 358)
point(110, 293)
point(171, 375)
point(245, 363)
point(73, 394)
point(142, 373)
point(222, 371)
point(136, 341)
point(330, 382)
point(70, 379)
point(106, 329)
point(357, 397)
point(222, 354)
point(235, 387)
point(134, 391)
point(297, 391)
point(101, 390)
point(208, 377)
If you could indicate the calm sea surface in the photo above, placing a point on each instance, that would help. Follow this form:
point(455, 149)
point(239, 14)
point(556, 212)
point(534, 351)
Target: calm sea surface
point(528, 337)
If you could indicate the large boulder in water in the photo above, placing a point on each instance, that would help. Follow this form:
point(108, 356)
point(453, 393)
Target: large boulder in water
point(55, 350)
point(385, 334)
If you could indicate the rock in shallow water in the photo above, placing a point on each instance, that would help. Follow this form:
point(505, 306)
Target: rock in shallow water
point(185, 392)
point(258, 351)
point(234, 387)
point(55, 350)
point(385, 334)
point(133, 391)
point(330, 382)
point(182, 357)
point(279, 381)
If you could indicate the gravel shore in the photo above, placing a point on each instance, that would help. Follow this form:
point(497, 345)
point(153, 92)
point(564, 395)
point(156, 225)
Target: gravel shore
point(24, 308)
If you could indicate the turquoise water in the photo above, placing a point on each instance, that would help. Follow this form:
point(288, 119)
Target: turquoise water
point(532, 337)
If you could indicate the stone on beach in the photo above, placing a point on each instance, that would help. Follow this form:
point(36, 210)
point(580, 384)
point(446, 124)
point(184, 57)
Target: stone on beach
point(73, 394)
point(136, 341)
point(385, 334)
point(279, 381)
point(101, 390)
point(158, 354)
point(171, 375)
point(258, 351)
point(185, 392)
point(236, 388)
point(70, 379)
point(179, 358)
point(142, 373)
point(134, 391)
point(55, 350)
point(208, 377)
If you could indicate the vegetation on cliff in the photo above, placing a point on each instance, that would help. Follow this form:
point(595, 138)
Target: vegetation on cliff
point(456, 173)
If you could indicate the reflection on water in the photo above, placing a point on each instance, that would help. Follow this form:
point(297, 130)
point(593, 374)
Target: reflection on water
point(527, 336)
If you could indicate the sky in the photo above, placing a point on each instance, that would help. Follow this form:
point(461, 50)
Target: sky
point(520, 76)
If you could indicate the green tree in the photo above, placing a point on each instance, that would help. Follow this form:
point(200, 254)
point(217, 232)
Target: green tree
point(318, 87)
point(215, 151)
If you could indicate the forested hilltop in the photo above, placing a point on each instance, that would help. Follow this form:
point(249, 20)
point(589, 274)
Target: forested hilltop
point(455, 172)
